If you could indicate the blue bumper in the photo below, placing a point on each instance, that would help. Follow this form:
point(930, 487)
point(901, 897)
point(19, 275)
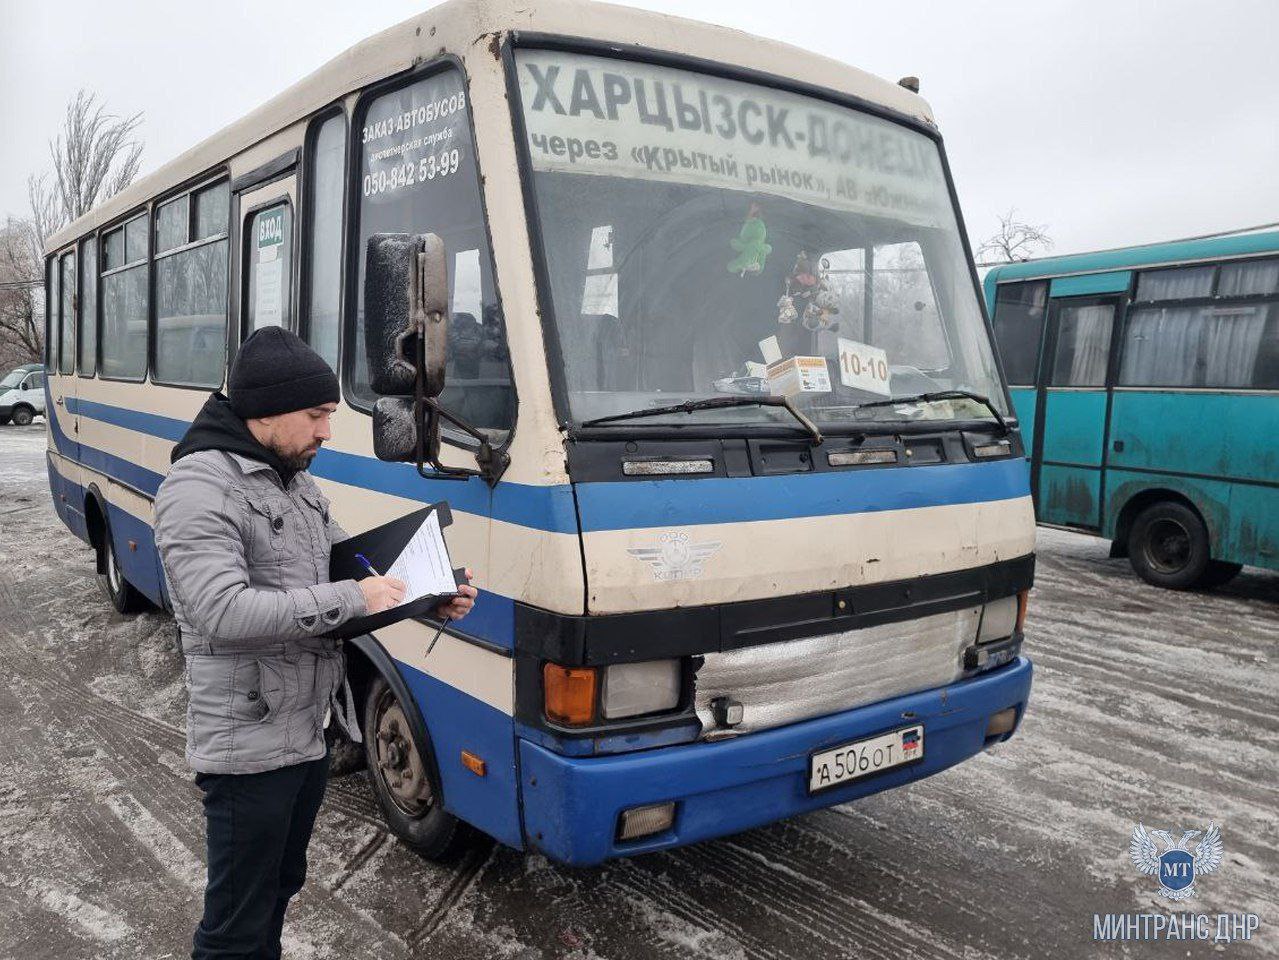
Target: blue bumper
point(571, 804)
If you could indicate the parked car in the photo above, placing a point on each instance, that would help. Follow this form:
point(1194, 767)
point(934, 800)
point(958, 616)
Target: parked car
point(22, 394)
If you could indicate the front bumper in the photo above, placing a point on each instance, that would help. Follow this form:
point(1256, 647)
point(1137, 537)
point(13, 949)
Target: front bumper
point(6, 410)
point(571, 804)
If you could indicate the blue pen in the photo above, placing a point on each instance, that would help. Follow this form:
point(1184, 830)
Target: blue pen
point(364, 561)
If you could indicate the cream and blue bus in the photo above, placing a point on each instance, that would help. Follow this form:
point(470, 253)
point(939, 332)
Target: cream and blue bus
point(1147, 382)
point(683, 326)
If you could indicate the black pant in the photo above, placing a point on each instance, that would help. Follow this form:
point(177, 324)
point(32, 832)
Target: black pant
point(258, 827)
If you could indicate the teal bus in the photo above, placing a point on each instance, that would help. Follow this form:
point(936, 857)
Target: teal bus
point(1146, 383)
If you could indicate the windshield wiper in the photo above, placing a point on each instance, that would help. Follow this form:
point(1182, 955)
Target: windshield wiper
point(944, 395)
point(712, 403)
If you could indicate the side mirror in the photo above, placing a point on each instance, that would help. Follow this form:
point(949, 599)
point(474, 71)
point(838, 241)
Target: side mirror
point(395, 429)
point(406, 304)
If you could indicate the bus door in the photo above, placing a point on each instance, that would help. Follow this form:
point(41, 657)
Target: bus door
point(61, 371)
point(1070, 432)
point(267, 255)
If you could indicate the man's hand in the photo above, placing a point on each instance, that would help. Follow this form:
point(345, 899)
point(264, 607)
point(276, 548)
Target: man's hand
point(381, 593)
point(459, 607)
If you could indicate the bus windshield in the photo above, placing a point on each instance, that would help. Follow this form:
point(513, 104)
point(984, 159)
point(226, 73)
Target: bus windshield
point(705, 237)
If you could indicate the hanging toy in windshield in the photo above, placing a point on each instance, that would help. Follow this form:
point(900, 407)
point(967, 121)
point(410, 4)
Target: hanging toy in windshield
point(808, 296)
point(750, 244)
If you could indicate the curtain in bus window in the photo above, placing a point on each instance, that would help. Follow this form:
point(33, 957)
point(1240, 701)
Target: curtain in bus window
point(1193, 346)
point(1248, 279)
point(1232, 337)
point(1182, 283)
point(1083, 346)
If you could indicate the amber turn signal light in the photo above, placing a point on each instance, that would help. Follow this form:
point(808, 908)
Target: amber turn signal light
point(570, 694)
point(1023, 600)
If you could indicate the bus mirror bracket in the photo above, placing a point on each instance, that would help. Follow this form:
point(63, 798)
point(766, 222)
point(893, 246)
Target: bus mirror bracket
point(408, 429)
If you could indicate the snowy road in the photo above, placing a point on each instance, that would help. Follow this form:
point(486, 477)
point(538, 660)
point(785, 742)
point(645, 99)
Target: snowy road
point(1148, 705)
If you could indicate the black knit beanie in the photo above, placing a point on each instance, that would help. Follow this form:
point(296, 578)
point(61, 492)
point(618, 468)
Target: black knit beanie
point(276, 372)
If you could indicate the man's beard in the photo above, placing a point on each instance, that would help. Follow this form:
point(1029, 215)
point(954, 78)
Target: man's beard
point(293, 459)
point(298, 461)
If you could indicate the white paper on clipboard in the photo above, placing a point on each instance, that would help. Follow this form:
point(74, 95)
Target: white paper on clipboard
point(424, 564)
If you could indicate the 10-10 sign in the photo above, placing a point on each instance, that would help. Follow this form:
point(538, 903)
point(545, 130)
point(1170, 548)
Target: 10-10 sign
point(863, 367)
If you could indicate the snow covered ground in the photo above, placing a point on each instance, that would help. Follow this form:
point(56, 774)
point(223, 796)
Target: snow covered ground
point(1148, 706)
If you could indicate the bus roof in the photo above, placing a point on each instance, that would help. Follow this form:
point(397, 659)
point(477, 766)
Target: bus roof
point(461, 27)
point(1146, 255)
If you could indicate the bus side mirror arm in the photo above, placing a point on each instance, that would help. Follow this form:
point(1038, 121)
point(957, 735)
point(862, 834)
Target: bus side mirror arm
point(408, 428)
point(492, 461)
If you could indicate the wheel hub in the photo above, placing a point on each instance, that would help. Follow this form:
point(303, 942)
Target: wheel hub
point(1168, 545)
point(399, 766)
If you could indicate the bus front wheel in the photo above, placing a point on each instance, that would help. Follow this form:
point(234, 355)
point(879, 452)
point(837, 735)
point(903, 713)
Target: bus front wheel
point(401, 780)
point(1169, 546)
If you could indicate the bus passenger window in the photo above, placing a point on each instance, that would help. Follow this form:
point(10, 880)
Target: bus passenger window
point(66, 342)
point(50, 313)
point(1179, 283)
point(191, 289)
point(418, 175)
point(87, 334)
point(1083, 346)
point(1019, 326)
point(324, 294)
point(1229, 345)
point(270, 253)
point(1248, 279)
point(124, 302)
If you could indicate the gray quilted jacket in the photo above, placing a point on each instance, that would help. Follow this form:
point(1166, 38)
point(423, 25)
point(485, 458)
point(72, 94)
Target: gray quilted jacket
point(247, 564)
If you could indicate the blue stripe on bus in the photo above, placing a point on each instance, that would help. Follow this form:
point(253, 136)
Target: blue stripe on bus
point(655, 503)
point(117, 468)
point(492, 619)
point(624, 505)
point(157, 426)
point(548, 508)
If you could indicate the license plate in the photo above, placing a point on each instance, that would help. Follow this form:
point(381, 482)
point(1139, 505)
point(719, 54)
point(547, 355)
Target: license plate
point(861, 758)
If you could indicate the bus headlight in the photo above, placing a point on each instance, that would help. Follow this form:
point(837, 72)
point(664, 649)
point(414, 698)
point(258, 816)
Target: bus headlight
point(999, 619)
point(632, 689)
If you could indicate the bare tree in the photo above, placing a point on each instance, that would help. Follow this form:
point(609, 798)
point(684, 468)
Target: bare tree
point(94, 156)
point(20, 327)
point(1015, 240)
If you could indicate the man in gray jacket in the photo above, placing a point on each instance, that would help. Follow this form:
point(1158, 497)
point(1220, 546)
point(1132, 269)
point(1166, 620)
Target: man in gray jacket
point(244, 535)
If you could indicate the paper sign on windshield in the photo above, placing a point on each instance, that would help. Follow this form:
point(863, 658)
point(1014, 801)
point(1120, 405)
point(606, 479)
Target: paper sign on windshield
point(601, 116)
point(863, 367)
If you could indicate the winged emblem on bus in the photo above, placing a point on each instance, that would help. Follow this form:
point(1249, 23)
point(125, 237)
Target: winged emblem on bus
point(1176, 868)
point(676, 556)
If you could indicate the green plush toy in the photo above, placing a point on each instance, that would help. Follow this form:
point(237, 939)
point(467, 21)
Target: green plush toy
point(750, 245)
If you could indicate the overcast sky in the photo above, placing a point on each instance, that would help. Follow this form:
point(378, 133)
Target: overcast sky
point(1109, 121)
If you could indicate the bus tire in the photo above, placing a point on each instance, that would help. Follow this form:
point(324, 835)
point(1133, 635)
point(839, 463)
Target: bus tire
point(1169, 546)
point(1219, 572)
point(124, 596)
point(22, 415)
point(402, 783)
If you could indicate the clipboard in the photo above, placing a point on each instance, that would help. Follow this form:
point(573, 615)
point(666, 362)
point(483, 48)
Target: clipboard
point(382, 546)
